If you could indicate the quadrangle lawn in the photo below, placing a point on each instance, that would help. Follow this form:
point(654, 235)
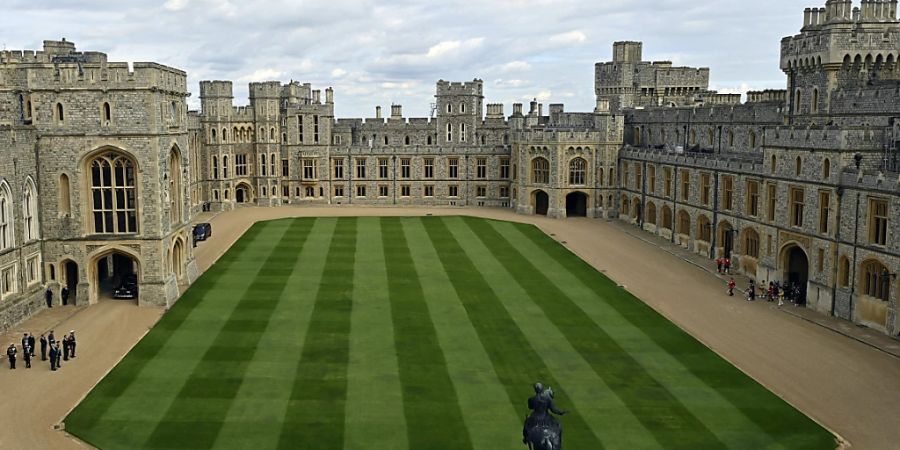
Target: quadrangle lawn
point(421, 333)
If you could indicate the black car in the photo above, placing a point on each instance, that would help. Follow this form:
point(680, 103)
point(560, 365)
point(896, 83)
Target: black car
point(128, 289)
point(202, 232)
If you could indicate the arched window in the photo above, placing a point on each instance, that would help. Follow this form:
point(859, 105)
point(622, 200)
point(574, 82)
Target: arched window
point(540, 169)
point(577, 170)
point(449, 108)
point(462, 132)
point(826, 169)
point(64, 201)
point(173, 110)
point(651, 213)
point(684, 223)
point(386, 141)
point(212, 136)
point(263, 166)
point(798, 98)
point(406, 140)
point(224, 135)
point(215, 167)
point(175, 194)
point(751, 243)
point(667, 217)
point(815, 101)
point(844, 272)
point(875, 280)
point(752, 139)
point(113, 194)
point(29, 211)
point(6, 217)
point(704, 229)
point(600, 176)
point(462, 107)
point(107, 112)
point(730, 138)
point(798, 167)
point(774, 164)
point(225, 167)
point(429, 140)
point(60, 112)
point(272, 135)
point(449, 132)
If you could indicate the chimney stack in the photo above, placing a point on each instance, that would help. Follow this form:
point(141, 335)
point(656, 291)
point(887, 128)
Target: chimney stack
point(329, 96)
point(377, 112)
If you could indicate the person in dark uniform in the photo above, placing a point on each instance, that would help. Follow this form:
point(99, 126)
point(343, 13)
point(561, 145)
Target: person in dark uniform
point(24, 340)
point(43, 348)
point(64, 293)
point(26, 355)
point(53, 357)
point(72, 343)
point(58, 355)
point(11, 354)
point(65, 344)
point(48, 295)
point(51, 338)
point(31, 343)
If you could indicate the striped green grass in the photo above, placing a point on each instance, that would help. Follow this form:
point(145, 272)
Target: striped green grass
point(421, 333)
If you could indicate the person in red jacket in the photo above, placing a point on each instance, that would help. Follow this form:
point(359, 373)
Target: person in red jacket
point(731, 285)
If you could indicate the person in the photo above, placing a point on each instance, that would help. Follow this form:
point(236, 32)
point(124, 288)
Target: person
point(58, 355)
point(64, 293)
point(65, 344)
point(31, 343)
point(43, 348)
point(770, 293)
point(48, 295)
point(53, 357)
point(731, 286)
point(26, 355)
point(72, 343)
point(751, 291)
point(718, 265)
point(727, 264)
point(51, 338)
point(11, 355)
point(24, 340)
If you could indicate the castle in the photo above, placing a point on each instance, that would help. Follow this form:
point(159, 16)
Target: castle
point(800, 185)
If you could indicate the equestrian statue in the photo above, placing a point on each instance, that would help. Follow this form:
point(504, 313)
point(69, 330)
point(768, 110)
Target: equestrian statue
point(542, 431)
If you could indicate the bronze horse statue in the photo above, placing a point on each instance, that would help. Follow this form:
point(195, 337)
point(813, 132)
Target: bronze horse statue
point(542, 431)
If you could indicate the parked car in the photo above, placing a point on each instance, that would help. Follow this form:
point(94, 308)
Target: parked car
point(202, 232)
point(128, 288)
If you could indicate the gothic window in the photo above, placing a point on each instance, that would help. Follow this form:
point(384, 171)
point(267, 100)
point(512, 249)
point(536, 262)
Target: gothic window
point(29, 210)
point(175, 194)
point(225, 167)
point(272, 135)
point(540, 169)
point(462, 132)
point(406, 140)
point(60, 112)
point(826, 169)
point(107, 112)
point(449, 132)
point(875, 280)
point(773, 164)
point(751, 243)
point(113, 194)
point(212, 136)
point(878, 221)
point(6, 217)
point(798, 167)
point(64, 203)
point(215, 167)
point(844, 272)
point(577, 170)
point(462, 107)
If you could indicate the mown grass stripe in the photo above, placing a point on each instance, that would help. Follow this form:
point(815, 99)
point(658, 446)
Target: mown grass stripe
point(658, 409)
point(786, 425)
point(722, 417)
point(114, 386)
point(603, 411)
point(374, 387)
point(515, 361)
point(220, 372)
point(260, 402)
point(430, 404)
point(316, 409)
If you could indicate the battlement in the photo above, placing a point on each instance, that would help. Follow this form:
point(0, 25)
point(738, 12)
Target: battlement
point(549, 136)
point(216, 88)
point(474, 87)
point(826, 138)
point(768, 113)
point(767, 96)
point(731, 161)
point(266, 89)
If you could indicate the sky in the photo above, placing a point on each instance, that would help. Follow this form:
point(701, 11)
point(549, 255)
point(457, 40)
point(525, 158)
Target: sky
point(393, 52)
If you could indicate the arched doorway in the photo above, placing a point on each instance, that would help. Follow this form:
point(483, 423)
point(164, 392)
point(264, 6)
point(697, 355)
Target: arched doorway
point(70, 269)
point(725, 237)
point(242, 193)
point(178, 259)
point(796, 268)
point(116, 275)
point(541, 203)
point(576, 204)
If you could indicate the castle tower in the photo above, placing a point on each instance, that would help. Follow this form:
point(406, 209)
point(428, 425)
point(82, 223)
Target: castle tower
point(828, 54)
point(216, 98)
point(459, 111)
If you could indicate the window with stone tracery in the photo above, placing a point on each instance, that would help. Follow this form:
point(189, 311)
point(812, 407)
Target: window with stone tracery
point(540, 170)
point(6, 217)
point(29, 209)
point(113, 194)
point(577, 170)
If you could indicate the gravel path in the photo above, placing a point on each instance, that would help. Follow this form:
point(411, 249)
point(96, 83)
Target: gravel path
point(851, 388)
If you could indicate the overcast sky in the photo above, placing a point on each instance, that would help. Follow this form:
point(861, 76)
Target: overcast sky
point(378, 53)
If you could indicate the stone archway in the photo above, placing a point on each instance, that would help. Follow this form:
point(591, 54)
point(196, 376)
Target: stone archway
point(795, 268)
point(242, 193)
point(576, 204)
point(541, 203)
point(112, 270)
point(725, 238)
point(70, 281)
point(178, 259)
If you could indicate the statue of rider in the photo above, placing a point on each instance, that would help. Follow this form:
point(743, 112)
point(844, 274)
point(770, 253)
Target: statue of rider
point(541, 405)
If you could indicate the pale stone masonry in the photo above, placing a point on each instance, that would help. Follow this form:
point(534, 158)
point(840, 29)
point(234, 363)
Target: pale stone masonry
point(796, 185)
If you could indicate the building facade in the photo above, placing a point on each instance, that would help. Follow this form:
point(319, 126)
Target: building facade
point(92, 180)
point(797, 185)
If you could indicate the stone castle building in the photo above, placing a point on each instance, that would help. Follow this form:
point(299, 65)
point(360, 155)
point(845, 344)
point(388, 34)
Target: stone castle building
point(797, 185)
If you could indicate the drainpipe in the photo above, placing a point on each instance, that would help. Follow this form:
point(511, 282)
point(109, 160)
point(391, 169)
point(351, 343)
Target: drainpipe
point(855, 243)
point(674, 203)
point(837, 251)
point(643, 195)
point(715, 223)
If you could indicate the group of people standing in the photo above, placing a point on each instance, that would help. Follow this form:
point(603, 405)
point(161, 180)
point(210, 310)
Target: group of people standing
point(775, 291)
point(56, 355)
point(723, 265)
point(63, 294)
